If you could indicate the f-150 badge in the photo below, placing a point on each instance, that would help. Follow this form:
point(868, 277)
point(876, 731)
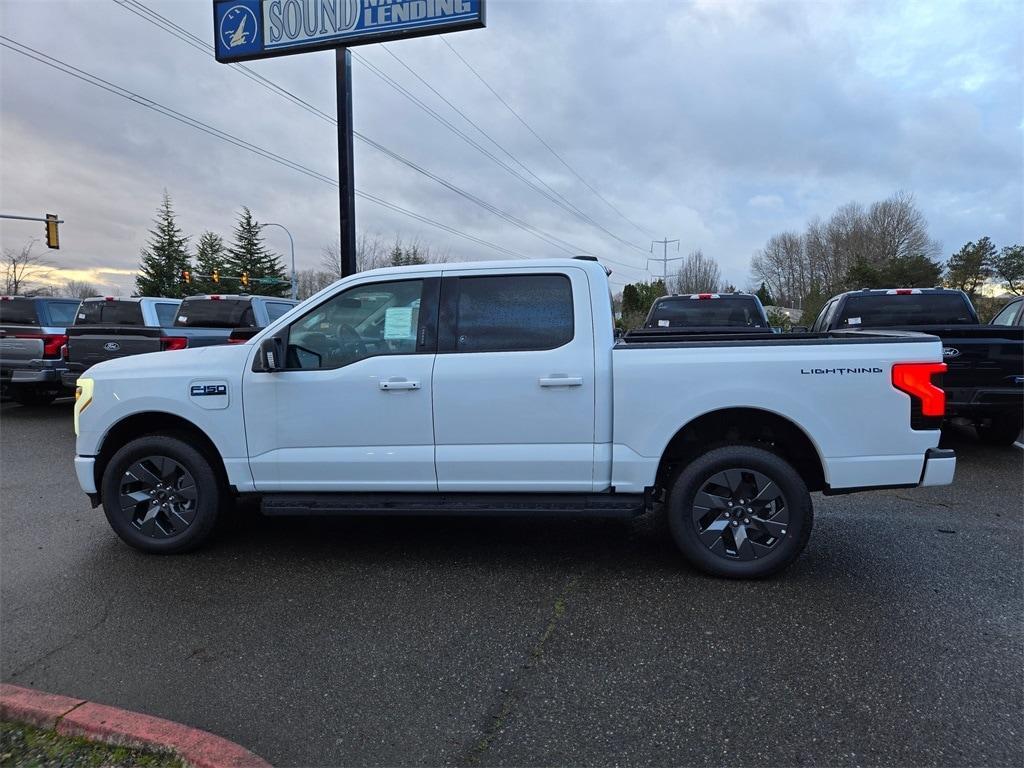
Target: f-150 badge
point(206, 390)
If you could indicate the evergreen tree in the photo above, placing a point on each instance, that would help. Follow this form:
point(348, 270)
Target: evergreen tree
point(248, 255)
point(971, 266)
point(210, 258)
point(164, 257)
point(1010, 268)
point(765, 295)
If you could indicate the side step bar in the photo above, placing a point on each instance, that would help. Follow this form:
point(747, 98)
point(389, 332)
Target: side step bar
point(426, 504)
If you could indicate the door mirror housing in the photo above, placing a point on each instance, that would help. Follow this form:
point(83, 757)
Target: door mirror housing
point(271, 357)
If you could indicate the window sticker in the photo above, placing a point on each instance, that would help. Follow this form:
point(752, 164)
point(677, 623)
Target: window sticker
point(81, 315)
point(398, 323)
point(663, 324)
point(182, 319)
point(853, 321)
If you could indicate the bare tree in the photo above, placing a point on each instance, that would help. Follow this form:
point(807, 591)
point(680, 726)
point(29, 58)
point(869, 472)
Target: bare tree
point(79, 289)
point(697, 274)
point(310, 281)
point(23, 269)
point(372, 253)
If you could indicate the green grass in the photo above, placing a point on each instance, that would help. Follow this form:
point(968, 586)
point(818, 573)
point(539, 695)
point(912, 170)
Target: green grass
point(27, 747)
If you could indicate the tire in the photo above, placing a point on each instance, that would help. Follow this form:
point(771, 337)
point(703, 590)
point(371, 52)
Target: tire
point(702, 512)
point(32, 397)
point(1003, 429)
point(177, 493)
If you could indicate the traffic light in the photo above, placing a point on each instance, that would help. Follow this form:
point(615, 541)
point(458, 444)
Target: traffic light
point(216, 276)
point(245, 279)
point(52, 237)
point(186, 275)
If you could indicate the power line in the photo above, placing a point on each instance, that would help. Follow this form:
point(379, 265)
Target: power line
point(124, 93)
point(162, 22)
point(539, 137)
point(664, 256)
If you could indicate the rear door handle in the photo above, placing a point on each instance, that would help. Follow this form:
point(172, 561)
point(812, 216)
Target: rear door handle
point(561, 381)
point(397, 383)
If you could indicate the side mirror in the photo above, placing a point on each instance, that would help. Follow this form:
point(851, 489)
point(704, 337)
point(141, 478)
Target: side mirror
point(272, 354)
point(619, 333)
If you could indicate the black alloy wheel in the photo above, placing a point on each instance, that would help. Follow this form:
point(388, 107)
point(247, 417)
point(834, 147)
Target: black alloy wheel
point(161, 495)
point(740, 511)
point(158, 497)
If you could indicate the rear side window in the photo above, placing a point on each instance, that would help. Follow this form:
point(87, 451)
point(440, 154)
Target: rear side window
point(215, 313)
point(17, 311)
point(61, 313)
point(893, 310)
point(723, 312)
point(1008, 314)
point(511, 313)
point(109, 313)
point(165, 314)
point(277, 308)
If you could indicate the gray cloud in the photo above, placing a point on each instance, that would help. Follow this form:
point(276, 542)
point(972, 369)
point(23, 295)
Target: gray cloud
point(719, 123)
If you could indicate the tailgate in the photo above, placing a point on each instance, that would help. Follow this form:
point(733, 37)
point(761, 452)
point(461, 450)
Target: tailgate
point(15, 350)
point(983, 358)
point(88, 345)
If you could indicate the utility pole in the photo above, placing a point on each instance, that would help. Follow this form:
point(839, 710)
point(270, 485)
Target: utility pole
point(664, 257)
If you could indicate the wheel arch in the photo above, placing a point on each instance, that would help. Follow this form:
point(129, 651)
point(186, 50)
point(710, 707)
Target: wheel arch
point(744, 425)
point(155, 423)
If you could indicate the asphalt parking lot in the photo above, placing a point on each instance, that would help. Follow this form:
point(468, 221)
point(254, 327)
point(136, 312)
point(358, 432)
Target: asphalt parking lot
point(896, 639)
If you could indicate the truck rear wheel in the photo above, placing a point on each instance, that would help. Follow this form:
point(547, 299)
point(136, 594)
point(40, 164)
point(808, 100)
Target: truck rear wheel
point(27, 396)
point(1000, 430)
point(740, 512)
point(161, 495)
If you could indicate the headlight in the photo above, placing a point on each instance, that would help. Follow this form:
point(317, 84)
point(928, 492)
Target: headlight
point(83, 396)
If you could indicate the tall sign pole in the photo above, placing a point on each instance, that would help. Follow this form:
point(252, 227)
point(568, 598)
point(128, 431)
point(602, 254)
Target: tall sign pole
point(244, 30)
point(346, 169)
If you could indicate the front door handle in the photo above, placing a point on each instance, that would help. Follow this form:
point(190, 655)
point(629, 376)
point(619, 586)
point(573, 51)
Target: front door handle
point(398, 383)
point(559, 380)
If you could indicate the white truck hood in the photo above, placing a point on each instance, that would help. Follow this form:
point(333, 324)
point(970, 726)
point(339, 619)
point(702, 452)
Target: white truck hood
point(224, 360)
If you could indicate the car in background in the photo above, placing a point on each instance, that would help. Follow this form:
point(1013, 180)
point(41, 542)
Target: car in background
point(108, 327)
point(706, 313)
point(210, 319)
point(1011, 315)
point(33, 332)
point(984, 380)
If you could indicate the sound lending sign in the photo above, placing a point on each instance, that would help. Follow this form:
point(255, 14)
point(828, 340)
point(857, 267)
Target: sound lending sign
point(255, 29)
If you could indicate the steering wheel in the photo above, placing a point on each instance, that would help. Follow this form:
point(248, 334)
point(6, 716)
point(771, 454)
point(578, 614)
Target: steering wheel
point(349, 340)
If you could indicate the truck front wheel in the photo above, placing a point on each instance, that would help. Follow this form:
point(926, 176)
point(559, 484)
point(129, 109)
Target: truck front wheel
point(161, 495)
point(740, 512)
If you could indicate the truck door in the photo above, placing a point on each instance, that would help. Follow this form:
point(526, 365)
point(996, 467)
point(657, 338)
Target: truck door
point(514, 381)
point(351, 411)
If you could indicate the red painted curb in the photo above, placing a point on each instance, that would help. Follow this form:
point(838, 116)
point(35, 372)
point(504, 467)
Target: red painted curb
point(77, 717)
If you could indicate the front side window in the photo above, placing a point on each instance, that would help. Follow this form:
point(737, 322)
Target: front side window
point(364, 321)
point(62, 313)
point(509, 313)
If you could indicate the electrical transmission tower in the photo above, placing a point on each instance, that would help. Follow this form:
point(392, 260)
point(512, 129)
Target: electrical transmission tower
point(664, 257)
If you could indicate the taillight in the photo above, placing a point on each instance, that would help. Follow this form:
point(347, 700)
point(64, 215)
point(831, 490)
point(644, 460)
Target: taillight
point(171, 343)
point(927, 398)
point(52, 342)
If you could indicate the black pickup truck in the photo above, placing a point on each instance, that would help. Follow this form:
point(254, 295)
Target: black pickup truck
point(109, 327)
point(984, 380)
point(704, 313)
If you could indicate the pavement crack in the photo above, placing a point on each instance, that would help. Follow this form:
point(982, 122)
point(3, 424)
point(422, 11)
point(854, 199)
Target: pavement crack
point(920, 503)
point(70, 641)
point(511, 693)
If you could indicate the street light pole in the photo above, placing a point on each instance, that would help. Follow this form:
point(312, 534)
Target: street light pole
point(295, 284)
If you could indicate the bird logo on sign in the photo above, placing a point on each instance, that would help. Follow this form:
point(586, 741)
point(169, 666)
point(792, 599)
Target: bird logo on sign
point(237, 27)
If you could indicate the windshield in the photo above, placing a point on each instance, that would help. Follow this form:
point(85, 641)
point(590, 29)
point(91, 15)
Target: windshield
point(879, 310)
point(723, 312)
point(202, 312)
point(109, 313)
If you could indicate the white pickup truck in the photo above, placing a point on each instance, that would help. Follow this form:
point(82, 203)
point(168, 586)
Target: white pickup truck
point(500, 387)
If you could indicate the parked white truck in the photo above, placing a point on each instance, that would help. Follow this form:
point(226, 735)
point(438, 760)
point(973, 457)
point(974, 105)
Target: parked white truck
point(500, 387)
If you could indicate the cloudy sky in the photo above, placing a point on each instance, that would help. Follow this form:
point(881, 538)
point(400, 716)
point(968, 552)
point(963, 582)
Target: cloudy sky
point(715, 122)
